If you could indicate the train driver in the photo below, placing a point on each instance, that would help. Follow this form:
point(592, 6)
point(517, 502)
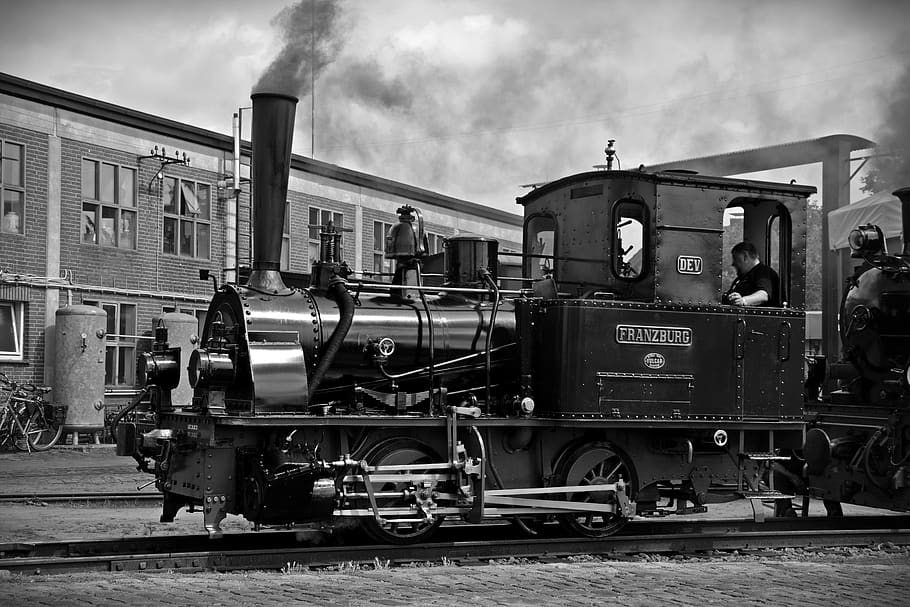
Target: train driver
point(756, 284)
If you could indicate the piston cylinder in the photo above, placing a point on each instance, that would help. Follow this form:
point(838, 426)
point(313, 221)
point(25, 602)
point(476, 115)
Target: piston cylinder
point(182, 332)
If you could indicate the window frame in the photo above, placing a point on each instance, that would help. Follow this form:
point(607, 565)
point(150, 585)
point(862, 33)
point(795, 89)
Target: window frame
point(101, 208)
point(616, 256)
point(314, 229)
point(284, 263)
point(385, 266)
point(180, 218)
point(19, 189)
point(528, 267)
point(17, 315)
point(435, 243)
point(120, 343)
point(781, 223)
point(199, 313)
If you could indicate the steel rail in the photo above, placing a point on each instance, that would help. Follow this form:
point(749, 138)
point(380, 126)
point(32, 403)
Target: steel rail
point(276, 550)
point(79, 497)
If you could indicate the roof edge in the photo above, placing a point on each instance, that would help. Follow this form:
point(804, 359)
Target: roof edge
point(54, 97)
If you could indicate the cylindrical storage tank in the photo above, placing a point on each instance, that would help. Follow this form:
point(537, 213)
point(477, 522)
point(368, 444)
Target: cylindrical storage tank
point(465, 255)
point(79, 366)
point(183, 333)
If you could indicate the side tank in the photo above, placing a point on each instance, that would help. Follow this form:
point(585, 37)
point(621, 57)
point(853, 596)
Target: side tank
point(79, 366)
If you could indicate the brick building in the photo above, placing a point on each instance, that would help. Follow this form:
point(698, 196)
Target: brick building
point(97, 209)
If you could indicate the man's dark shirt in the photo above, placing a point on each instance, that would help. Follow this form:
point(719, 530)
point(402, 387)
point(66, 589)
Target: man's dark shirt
point(759, 278)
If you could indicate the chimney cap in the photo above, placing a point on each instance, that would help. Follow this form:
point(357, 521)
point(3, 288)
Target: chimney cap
point(274, 94)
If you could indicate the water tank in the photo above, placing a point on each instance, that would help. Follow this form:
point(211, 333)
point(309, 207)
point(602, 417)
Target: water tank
point(183, 333)
point(79, 366)
point(465, 255)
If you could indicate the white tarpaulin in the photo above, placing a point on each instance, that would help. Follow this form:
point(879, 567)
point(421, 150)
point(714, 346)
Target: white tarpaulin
point(882, 209)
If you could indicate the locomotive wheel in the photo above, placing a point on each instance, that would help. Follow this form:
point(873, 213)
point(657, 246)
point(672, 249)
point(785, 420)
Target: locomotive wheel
point(595, 464)
point(399, 452)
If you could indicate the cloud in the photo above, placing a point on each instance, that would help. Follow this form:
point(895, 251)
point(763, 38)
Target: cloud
point(472, 98)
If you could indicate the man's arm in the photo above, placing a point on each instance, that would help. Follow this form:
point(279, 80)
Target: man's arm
point(758, 298)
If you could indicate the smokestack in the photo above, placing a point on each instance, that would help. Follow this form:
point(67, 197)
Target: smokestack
point(904, 195)
point(272, 133)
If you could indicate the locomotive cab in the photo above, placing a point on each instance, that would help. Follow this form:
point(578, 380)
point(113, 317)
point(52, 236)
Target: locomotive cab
point(638, 262)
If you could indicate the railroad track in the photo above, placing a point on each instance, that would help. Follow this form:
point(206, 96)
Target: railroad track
point(276, 550)
point(10, 498)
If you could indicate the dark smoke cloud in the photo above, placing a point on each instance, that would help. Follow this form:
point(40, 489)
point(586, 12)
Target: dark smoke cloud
point(893, 137)
point(473, 102)
point(462, 131)
point(312, 40)
point(366, 82)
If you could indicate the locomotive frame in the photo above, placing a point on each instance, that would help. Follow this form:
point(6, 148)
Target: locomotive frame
point(611, 383)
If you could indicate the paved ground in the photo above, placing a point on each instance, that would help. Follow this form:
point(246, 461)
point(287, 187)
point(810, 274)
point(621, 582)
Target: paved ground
point(845, 577)
point(740, 583)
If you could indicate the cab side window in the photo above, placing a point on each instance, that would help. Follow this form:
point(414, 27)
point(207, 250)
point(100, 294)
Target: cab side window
point(629, 219)
point(778, 247)
point(768, 226)
point(540, 246)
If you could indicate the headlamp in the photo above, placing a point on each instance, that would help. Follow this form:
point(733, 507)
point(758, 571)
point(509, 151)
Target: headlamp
point(866, 240)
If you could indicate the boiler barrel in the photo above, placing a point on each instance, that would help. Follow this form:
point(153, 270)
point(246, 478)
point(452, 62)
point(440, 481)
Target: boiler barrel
point(79, 366)
point(183, 333)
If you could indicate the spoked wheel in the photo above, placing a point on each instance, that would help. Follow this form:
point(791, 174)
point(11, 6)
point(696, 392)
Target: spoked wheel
point(41, 433)
point(595, 464)
point(399, 452)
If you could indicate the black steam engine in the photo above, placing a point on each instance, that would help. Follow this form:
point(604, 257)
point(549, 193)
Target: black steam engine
point(608, 382)
point(858, 437)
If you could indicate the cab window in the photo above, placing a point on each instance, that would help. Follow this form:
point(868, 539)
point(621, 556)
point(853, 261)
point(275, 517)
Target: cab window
point(540, 246)
point(629, 219)
point(768, 226)
point(778, 247)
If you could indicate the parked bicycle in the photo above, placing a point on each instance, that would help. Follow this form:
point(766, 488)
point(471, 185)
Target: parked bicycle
point(28, 421)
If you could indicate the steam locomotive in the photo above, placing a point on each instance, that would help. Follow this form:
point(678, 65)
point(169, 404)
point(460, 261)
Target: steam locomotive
point(609, 382)
point(857, 447)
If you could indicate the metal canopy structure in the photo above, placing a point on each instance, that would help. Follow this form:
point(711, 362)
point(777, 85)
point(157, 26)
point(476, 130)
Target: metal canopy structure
point(833, 151)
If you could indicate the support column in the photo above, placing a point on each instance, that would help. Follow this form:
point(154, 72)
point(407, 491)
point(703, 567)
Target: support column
point(52, 254)
point(835, 194)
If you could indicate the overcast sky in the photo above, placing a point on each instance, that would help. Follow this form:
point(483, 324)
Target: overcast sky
point(474, 98)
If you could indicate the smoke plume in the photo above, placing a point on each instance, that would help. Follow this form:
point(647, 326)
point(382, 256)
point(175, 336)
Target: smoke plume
point(892, 170)
point(311, 42)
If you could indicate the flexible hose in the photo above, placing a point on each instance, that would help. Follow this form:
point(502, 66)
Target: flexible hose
point(488, 358)
point(339, 292)
point(430, 333)
point(125, 410)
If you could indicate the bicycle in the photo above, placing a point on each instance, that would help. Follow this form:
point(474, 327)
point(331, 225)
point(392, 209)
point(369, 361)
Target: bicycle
point(28, 421)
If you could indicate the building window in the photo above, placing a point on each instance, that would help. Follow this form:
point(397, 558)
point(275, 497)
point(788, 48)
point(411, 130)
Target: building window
point(11, 326)
point(381, 265)
point(200, 315)
point(12, 188)
point(435, 243)
point(108, 204)
point(286, 240)
point(120, 351)
point(319, 218)
point(187, 218)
